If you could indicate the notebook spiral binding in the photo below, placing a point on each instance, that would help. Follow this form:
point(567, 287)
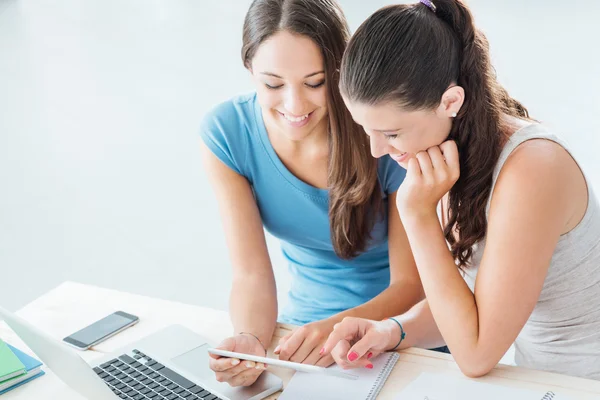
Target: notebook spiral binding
point(383, 375)
point(548, 396)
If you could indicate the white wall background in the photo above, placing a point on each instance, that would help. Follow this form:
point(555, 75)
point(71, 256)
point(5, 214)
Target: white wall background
point(100, 175)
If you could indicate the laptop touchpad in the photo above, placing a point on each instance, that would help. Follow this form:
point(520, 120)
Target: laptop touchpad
point(195, 362)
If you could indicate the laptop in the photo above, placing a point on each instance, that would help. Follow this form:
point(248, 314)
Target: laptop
point(170, 364)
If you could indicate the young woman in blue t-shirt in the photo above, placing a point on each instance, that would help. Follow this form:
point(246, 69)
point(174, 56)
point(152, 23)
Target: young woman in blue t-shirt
point(285, 158)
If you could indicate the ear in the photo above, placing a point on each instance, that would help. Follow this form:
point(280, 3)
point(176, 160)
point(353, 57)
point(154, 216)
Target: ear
point(452, 101)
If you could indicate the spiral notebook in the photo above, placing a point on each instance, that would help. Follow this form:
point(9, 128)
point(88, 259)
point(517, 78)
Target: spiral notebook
point(304, 386)
point(432, 386)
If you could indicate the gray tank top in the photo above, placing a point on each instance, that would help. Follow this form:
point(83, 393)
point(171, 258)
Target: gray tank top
point(563, 332)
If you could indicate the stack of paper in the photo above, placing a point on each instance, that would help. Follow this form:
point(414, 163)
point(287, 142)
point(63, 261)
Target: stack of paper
point(431, 386)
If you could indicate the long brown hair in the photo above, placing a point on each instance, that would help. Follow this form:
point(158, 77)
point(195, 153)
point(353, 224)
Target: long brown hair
point(410, 54)
point(355, 200)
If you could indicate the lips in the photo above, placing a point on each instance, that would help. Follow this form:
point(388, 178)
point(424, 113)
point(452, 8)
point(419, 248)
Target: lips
point(296, 121)
point(399, 157)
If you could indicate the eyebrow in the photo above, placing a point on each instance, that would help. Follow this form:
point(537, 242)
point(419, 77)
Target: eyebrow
point(280, 77)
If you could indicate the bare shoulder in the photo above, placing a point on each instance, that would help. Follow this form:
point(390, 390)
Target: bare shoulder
point(539, 156)
point(545, 170)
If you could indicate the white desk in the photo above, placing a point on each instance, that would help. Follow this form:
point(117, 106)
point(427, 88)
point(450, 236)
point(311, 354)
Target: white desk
point(71, 306)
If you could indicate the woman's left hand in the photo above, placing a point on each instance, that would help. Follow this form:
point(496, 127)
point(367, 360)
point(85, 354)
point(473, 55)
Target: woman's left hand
point(429, 176)
point(304, 344)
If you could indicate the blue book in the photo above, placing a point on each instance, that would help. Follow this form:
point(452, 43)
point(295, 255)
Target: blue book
point(32, 366)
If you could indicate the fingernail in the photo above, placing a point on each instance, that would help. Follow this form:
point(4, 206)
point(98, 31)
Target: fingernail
point(369, 355)
point(258, 367)
point(322, 351)
point(277, 349)
point(352, 356)
point(235, 361)
point(248, 364)
point(370, 366)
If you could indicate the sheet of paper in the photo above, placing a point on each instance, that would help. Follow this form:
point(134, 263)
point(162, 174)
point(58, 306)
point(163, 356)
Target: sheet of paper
point(431, 386)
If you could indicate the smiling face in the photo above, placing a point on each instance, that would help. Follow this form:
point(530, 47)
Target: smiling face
point(402, 133)
point(288, 71)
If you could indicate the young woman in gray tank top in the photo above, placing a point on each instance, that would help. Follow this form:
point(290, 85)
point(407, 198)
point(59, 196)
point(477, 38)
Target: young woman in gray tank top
point(516, 257)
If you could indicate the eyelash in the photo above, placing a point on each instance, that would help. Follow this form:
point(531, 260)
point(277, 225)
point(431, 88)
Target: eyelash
point(272, 87)
point(318, 85)
point(390, 137)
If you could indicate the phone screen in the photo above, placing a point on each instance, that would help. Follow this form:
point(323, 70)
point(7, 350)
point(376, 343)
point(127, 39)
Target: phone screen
point(101, 329)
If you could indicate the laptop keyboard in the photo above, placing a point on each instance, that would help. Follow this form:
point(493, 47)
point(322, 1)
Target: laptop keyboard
point(137, 376)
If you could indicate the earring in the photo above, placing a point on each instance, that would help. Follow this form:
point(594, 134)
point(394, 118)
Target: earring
point(453, 115)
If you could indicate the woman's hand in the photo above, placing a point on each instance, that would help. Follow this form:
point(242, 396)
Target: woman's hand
point(429, 176)
point(238, 372)
point(304, 344)
point(355, 341)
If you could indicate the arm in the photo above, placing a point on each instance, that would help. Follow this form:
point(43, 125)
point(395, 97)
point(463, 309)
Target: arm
point(253, 280)
point(527, 215)
point(367, 338)
point(253, 300)
point(420, 328)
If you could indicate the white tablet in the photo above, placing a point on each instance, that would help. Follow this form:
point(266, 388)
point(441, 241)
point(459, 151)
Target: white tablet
point(285, 364)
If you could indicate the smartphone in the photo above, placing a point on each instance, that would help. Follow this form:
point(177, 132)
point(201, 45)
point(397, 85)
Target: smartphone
point(101, 330)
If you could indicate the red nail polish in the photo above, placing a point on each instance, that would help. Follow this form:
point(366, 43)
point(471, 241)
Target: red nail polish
point(322, 351)
point(370, 366)
point(369, 355)
point(352, 356)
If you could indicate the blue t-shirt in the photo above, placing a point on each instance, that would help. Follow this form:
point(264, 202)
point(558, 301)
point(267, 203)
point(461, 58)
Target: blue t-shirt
point(297, 213)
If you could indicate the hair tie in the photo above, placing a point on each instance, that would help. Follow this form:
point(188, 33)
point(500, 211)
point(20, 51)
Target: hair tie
point(429, 5)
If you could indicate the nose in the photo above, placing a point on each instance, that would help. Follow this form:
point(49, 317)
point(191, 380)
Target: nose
point(379, 147)
point(294, 102)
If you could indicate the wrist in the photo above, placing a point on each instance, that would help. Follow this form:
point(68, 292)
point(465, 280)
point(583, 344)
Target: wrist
point(416, 219)
point(335, 319)
point(252, 335)
point(396, 334)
